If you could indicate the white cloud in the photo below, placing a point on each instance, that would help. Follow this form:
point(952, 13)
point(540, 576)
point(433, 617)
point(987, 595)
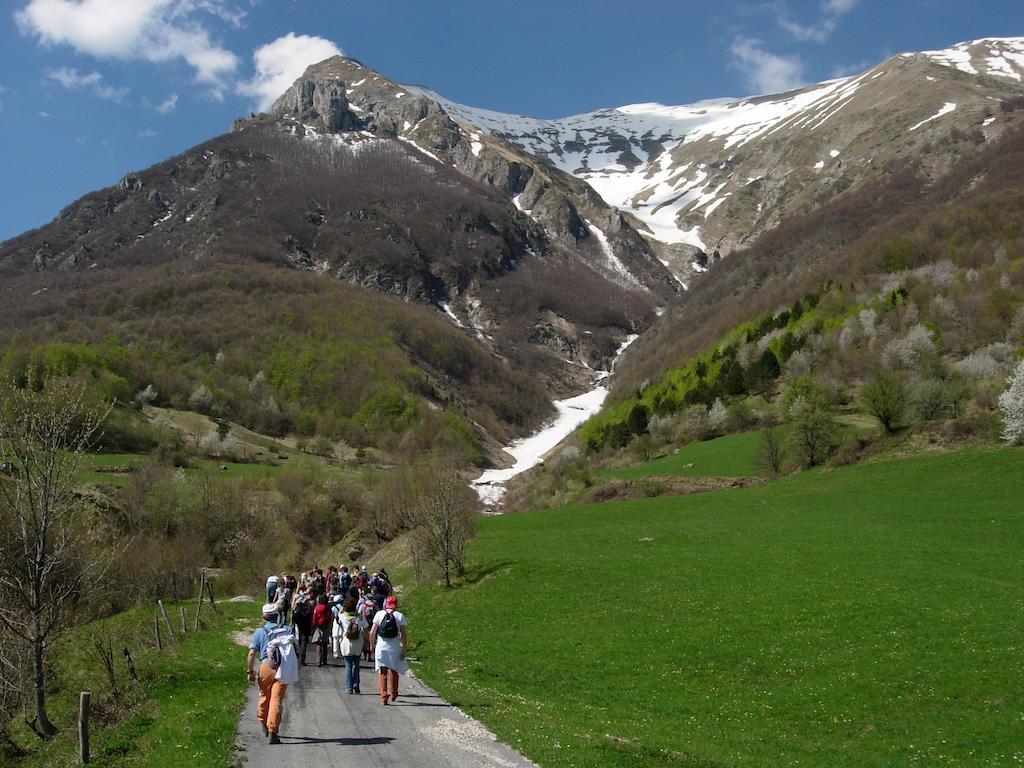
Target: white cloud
point(146, 133)
point(280, 63)
point(765, 72)
point(150, 30)
point(832, 12)
point(839, 7)
point(167, 105)
point(44, 115)
point(73, 80)
point(817, 33)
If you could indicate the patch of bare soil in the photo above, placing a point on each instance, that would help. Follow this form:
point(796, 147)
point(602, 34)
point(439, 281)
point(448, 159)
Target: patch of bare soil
point(666, 486)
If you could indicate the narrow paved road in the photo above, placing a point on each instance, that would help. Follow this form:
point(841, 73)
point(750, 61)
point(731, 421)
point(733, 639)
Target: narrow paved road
point(325, 727)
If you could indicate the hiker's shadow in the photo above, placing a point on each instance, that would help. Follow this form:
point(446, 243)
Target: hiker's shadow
point(480, 573)
point(344, 741)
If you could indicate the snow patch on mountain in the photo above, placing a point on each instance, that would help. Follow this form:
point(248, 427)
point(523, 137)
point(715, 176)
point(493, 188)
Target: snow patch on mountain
point(613, 262)
point(946, 108)
point(996, 56)
point(530, 451)
point(645, 158)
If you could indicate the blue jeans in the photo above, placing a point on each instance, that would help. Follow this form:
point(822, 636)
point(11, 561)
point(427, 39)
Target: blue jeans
point(351, 673)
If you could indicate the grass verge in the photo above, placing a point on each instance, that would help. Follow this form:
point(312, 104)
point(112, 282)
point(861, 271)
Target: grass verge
point(185, 712)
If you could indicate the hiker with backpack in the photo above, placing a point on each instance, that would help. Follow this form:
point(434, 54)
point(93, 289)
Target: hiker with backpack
point(283, 598)
point(274, 645)
point(321, 637)
point(367, 608)
point(302, 617)
point(272, 582)
point(353, 638)
point(388, 639)
point(381, 586)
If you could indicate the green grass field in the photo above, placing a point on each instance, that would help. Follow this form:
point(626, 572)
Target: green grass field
point(866, 616)
point(186, 712)
point(728, 456)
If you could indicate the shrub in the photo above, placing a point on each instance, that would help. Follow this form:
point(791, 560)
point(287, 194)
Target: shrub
point(740, 417)
point(931, 400)
point(886, 397)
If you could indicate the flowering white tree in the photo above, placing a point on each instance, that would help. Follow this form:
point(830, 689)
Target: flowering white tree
point(1011, 403)
point(717, 414)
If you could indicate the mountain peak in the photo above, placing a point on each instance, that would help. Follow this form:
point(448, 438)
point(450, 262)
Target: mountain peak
point(995, 56)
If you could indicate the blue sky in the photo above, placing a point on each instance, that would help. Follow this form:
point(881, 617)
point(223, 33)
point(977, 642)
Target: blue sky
point(90, 89)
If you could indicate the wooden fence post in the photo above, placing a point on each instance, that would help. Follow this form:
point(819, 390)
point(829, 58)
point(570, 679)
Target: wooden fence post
point(181, 615)
point(131, 666)
point(156, 628)
point(213, 604)
point(83, 726)
point(199, 602)
point(167, 621)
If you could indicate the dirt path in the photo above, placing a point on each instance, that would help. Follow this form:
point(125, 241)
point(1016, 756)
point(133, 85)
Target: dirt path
point(324, 726)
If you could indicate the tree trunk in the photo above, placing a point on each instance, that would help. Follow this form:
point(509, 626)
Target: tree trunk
point(39, 682)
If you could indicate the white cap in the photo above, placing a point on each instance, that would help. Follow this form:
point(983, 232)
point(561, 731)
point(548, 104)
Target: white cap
point(269, 608)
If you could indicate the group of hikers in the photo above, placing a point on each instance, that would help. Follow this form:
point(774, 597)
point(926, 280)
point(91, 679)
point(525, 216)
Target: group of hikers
point(345, 614)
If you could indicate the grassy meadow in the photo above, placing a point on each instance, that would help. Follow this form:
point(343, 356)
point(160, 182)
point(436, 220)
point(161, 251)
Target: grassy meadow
point(185, 711)
point(733, 455)
point(865, 616)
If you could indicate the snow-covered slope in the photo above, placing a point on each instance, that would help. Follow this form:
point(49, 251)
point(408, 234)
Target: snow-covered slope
point(712, 175)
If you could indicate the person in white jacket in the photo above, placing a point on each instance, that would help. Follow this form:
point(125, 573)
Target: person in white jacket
point(389, 641)
point(352, 629)
point(337, 631)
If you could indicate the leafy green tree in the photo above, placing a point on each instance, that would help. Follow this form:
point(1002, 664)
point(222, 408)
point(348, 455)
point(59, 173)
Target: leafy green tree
point(887, 398)
point(637, 420)
point(815, 432)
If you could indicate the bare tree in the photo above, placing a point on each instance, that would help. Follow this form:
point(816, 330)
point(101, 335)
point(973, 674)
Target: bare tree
point(46, 565)
point(444, 522)
point(12, 687)
point(772, 451)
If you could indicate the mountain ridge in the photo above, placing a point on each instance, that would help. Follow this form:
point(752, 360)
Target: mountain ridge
point(687, 217)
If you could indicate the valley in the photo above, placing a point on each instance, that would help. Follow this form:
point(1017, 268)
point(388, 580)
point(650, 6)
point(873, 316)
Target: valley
point(712, 414)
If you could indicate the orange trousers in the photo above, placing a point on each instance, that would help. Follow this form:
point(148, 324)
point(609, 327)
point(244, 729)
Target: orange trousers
point(268, 711)
point(386, 673)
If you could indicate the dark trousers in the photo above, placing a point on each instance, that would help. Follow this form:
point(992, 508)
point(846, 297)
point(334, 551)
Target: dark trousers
point(302, 626)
